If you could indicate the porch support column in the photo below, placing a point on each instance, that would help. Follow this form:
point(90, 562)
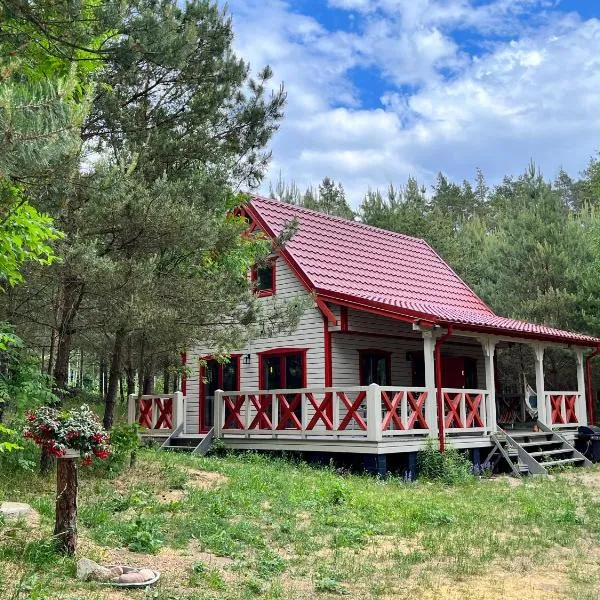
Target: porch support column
point(489, 349)
point(581, 408)
point(538, 351)
point(431, 403)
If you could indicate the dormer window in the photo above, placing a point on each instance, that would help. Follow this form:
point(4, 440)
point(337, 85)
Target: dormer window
point(263, 278)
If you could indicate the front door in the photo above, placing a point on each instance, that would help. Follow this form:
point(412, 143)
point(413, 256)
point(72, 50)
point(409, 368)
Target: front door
point(281, 372)
point(453, 372)
point(215, 376)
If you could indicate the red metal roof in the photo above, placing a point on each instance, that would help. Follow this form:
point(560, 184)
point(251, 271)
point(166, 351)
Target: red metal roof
point(346, 259)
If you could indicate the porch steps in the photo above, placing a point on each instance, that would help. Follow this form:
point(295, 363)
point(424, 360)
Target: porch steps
point(534, 452)
point(192, 444)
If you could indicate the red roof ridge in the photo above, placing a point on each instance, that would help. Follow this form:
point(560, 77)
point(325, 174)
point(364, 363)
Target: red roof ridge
point(339, 219)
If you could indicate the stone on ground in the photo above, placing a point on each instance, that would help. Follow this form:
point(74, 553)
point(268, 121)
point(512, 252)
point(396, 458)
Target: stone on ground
point(15, 510)
point(88, 570)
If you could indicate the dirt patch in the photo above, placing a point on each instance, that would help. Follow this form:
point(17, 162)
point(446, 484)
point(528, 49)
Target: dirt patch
point(172, 496)
point(205, 480)
point(498, 584)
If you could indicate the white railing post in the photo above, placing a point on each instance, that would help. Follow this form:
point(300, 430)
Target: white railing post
point(489, 349)
point(178, 410)
point(374, 414)
point(218, 414)
point(543, 400)
point(132, 409)
point(431, 401)
point(581, 406)
point(274, 414)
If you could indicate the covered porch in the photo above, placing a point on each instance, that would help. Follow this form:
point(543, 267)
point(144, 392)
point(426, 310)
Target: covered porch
point(368, 413)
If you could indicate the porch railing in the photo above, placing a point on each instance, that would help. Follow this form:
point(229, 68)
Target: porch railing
point(371, 413)
point(564, 409)
point(466, 410)
point(157, 413)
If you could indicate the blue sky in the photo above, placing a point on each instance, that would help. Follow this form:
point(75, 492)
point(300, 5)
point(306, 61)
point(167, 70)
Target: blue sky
point(379, 90)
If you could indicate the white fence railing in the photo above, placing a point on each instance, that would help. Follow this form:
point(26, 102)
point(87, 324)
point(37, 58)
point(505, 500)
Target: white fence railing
point(157, 413)
point(371, 413)
point(565, 409)
point(466, 410)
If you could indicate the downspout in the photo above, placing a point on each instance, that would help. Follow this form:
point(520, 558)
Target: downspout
point(438, 376)
point(588, 375)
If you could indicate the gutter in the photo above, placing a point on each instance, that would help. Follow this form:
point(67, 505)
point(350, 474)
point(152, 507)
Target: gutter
point(438, 376)
point(588, 375)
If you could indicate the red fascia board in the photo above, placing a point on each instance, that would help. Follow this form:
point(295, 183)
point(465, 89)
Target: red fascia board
point(326, 311)
point(378, 308)
point(524, 335)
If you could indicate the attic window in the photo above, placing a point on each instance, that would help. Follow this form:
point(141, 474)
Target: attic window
point(263, 278)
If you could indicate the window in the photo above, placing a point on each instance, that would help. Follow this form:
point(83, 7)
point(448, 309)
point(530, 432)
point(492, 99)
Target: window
point(216, 376)
point(374, 367)
point(281, 370)
point(263, 278)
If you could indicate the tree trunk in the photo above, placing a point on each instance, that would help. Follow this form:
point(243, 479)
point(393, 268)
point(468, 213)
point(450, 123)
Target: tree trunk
point(69, 298)
point(129, 369)
point(113, 380)
point(53, 336)
point(65, 528)
point(121, 389)
point(80, 373)
point(148, 387)
point(166, 381)
point(101, 377)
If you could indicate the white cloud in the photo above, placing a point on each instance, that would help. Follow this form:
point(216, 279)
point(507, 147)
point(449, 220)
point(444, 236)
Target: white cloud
point(536, 96)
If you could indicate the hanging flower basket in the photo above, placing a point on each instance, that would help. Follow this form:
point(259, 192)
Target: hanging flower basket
point(68, 434)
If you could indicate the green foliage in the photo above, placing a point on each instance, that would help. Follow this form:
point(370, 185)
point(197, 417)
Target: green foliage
point(329, 197)
point(450, 467)
point(143, 534)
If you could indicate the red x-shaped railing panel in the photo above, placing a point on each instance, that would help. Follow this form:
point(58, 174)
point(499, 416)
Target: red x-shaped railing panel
point(452, 403)
point(472, 404)
point(321, 410)
point(556, 406)
point(261, 419)
point(164, 407)
point(417, 405)
point(145, 413)
point(352, 410)
point(570, 402)
point(288, 418)
point(233, 417)
point(392, 410)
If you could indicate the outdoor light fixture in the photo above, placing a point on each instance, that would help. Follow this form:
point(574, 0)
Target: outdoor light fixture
point(246, 359)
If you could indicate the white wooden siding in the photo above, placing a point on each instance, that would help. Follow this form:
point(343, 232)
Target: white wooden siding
point(345, 348)
point(309, 334)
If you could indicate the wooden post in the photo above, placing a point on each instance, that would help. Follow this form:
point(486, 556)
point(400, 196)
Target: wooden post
point(431, 402)
point(543, 415)
point(65, 528)
point(489, 348)
point(374, 415)
point(581, 408)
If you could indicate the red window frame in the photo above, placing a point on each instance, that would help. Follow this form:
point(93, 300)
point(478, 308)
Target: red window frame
point(254, 278)
point(281, 352)
point(376, 352)
point(202, 428)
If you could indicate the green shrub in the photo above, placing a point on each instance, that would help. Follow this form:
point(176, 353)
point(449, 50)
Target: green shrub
point(450, 467)
point(144, 535)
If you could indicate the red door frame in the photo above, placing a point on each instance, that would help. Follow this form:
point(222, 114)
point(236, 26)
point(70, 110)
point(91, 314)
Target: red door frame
point(202, 427)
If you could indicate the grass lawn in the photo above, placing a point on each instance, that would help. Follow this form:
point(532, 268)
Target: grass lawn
point(253, 526)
